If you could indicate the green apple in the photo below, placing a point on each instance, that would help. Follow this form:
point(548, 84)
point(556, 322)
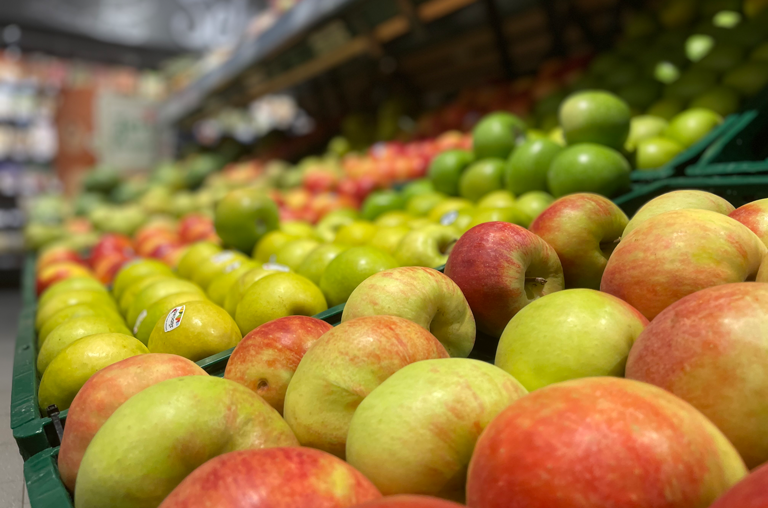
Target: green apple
point(421, 205)
point(237, 290)
point(294, 252)
point(147, 435)
point(76, 311)
point(134, 270)
point(666, 108)
point(192, 257)
point(422, 295)
point(355, 233)
point(215, 265)
point(297, 228)
point(747, 78)
point(588, 167)
point(566, 335)
point(275, 296)
point(416, 187)
point(438, 213)
point(70, 298)
point(655, 152)
point(721, 99)
point(508, 214)
point(81, 359)
point(146, 321)
point(403, 439)
point(387, 239)
point(349, 269)
point(595, 117)
point(666, 72)
point(194, 330)
point(71, 284)
point(270, 244)
point(532, 204)
point(556, 134)
point(496, 134)
point(315, 263)
point(395, 218)
point(643, 127)
point(243, 217)
point(379, 202)
point(221, 284)
point(526, 169)
point(446, 168)
point(129, 294)
point(497, 199)
point(691, 125)
point(482, 177)
point(697, 46)
point(428, 246)
point(155, 292)
point(327, 227)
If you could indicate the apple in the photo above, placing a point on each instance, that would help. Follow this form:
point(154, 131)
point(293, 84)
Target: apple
point(570, 334)
point(285, 477)
point(654, 153)
point(146, 321)
point(678, 253)
point(56, 272)
point(748, 493)
point(588, 167)
point(57, 255)
point(194, 330)
point(70, 298)
point(648, 448)
point(270, 244)
point(154, 292)
point(194, 256)
point(747, 78)
point(380, 202)
point(294, 252)
point(691, 125)
point(70, 284)
point(72, 330)
point(343, 367)
point(394, 218)
point(404, 439)
point(103, 393)
point(501, 268)
point(268, 355)
point(76, 311)
point(428, 246)
point(497, 199)
point(643, 127)
point(409, 501)
point(215, 265)
point(526, 170)
point(77, 362)
point(315, 263)
point(691, 83)
point(721, 99)
point(422, 295)
point(144, 450)
point(708, 349)
point(275, 296)
point(222, 283)
point(583, 229)
point(107, 266)
point(450, 205)
point(481, 178)
point(387, 239)
point(678, 200)
point(495, 135)
point(532, 203)
point(130, 293)
point(446, 168)
point(666, 108)
point(416, 187)
point(421, 205)
point(297, 228)
point(595, 116)
point(243, 217)
point(509, 214)
point(243, 283)
point(349, 269)
point(355, 233)
point(754, 215)
point(330, 223)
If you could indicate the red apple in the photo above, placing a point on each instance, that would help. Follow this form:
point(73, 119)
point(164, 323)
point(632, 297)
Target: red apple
point(601, 442)
point(751, 492)
point(409, 501)
point(501, 268)
point(710, 350)
point(273, 478)
point(754, 215)
point(267, 357)
point(111, 242)
point(57, 255)
point(59, 271)
point(107, 266)
point(103, 393)
point(674, 254)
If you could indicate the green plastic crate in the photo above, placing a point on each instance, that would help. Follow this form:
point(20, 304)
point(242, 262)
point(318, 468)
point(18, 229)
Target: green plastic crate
point(44, 486)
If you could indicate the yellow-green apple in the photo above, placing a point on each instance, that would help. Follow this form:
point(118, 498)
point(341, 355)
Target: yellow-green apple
point(331, 222)
point(648, 447)
point(501, 268)
point(194, 330)
point(267, 357)
point(215, 265)
point(71, 368)
point(76, 311)
point(144, 450)
point(387, 239)
point(126, 300)
point(449, 205)
point(709, 349)
point(155, 292)
point(496, 134)
point(678, 253)
point(583, 229)
point(244, 282)
point(422, 295)
point(146, 321)
point(409, 501)
point(298, 228)
point(679, 200)
point(71, 284)
point(270, 244)
point(275, 296)
point(379, 202)
point(748, 493)
point(595, 116)
point(532, 204)
point(527, 167)
point(56, 272)
point(568, 335)
point(394, 218)
point(103, 393)
point(422, 204)
point(754, 215)
point(194, 256)
point(655, 152)
point(497, 199)
point(446, 168)
point(589, 167)
point(294, 252)
point(481, 178)
point(349, 269)
point(691, 125)
point(428, 246)
point(72, 330)
point(318, 260)
point(355, 233)
point(70, 298)
point(222, 283)
point(276, 477)
point(508, 214)
point(243, 216)
point(643, 127)
point(415, 433)
point(343, 367)
point(57, 255)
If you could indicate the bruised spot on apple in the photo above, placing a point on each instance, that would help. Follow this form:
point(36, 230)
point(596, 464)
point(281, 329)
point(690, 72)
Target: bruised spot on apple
point(711, 350)
point(501, 268)
point(678, 253)
point(584, 229)
point(267, 357)
point(343, 367)
point(103, 393)
point(422, 295)
point(279, 477)
point(748, 493)
point(602, 441)
point(678, 200)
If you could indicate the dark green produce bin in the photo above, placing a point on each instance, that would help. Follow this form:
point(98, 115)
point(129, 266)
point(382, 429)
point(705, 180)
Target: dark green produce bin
point(44, 486)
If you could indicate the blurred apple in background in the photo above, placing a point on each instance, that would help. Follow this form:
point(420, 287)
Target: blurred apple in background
point(349, 269)
point(595, 117)
point(421, 205)
point(446, 169)
point(428, 246)
point(59, 271)
point(355, 233)
point(527, 168)
point(388, 238)
point(237, 290)
point(588, 167)
point(481, 178)
point(497, 199)
point(315, 263)
point(691, 125)
point(194, 256)
point(532, 204)
point(243, 217)
point(381, 202)
point(270, 243)
point(293, 253)
point(643, 127)
point(495, 135)
point(653, 153)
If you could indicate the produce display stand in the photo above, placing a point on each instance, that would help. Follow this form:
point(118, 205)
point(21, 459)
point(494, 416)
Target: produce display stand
point(44, 486)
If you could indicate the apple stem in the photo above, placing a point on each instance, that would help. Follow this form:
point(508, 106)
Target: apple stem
point(537, 280)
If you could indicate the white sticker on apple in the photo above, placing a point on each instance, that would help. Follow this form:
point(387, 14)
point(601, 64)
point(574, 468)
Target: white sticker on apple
point(223, 256)
point(276, 266)
point(173, 319)
point(449, 218)
point(139, 320)
point(233, 266)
